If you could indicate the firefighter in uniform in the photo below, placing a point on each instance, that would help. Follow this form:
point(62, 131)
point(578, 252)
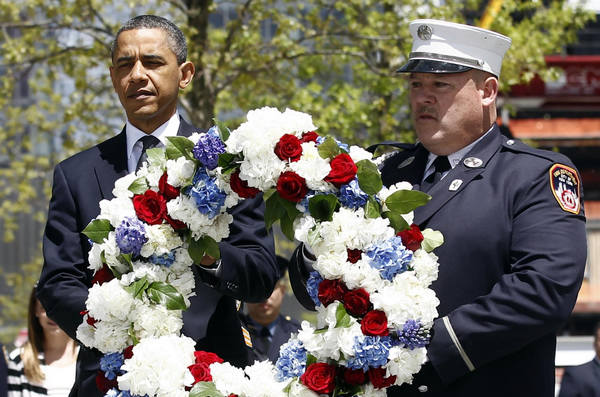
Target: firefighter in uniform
point(512, 218)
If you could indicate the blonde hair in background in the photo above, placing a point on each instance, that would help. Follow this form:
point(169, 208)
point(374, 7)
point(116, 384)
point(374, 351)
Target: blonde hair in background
point(34, 345)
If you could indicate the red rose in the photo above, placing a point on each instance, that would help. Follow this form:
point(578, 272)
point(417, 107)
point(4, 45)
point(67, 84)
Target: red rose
point(343, 170)
point(104, 384)
point(175, 223)
point(412, 237)
point(150, 207)
point(331, 290)
point(200, 372)
point(170, 192)
point(291, 186)
point(103, 275)
point(354, 377)
point(128, 352)
point(378, 379)
point(309, 137)
point(375, 324)
point(288, 148)
point(206, 357)
point(241, 187)
point(354, 255)
point(319, 377)
point(357, 302)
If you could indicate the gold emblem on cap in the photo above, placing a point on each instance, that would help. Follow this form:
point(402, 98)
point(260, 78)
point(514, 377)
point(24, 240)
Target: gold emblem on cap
point(424, 32)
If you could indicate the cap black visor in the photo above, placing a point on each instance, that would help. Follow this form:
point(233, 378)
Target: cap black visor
point(430, 66)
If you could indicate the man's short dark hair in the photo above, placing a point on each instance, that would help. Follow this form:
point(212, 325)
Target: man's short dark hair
point(175, 37)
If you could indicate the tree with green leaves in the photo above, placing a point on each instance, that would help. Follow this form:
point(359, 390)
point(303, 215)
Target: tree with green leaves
point(333, 59)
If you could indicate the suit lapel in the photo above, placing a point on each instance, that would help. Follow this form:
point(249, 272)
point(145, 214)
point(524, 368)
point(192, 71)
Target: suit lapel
point(406, 168)
point(460, 176)
point(113, 158)
point(112, 164)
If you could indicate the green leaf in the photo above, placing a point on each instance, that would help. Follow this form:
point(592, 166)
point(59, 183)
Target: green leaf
point(404, 201)
point(179, 146)
point(166, 294)
point(321, 330)
point(223, 130)
point(203, 246)
point(139, 186)
point(369, 178)
point(310, 359)
point(274, 210)
point(132, 335)
point(205, 389)
point(431, 239)
point(287, 227)
point(396, 221)
point(372, 209)
point(322, 206)
point(329, 148)
point(227, 161)
point(343, 319)
point(125, 259)
point(137, 288)
point(155, 155)
point(97, 230)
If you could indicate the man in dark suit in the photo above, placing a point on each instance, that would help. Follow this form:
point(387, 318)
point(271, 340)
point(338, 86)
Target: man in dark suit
point(512, 218)
point(148, 69)
point(268, 328)
point(583, 380)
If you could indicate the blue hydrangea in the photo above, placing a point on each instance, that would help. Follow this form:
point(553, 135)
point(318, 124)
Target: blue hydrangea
point(207, 195)
point(413, 335)
point(304, 202)
point(370, 352)
point(312, 286)
point(208, 148)
point(292, 360)
point(390, 257)
point(130, 236)
point(163, 260)
point(111, 364)
point(352, 196)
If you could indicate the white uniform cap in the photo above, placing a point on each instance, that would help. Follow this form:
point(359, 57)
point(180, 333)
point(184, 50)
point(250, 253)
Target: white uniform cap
point(447, 47)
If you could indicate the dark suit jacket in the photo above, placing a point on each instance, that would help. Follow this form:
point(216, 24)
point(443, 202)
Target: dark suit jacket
point(510, 269)
point(285, 327)
point(3, 373)
point(581, 380)
point(249, 270)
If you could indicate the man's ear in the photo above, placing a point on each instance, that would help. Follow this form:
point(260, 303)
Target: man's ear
point(187, 70)
point(489, 91)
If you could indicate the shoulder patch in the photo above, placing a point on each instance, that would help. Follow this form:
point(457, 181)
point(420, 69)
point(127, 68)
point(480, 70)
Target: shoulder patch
point(565, 186)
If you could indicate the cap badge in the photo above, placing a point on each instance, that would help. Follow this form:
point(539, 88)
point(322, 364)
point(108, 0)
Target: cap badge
point(473, 162)
point(424, 32)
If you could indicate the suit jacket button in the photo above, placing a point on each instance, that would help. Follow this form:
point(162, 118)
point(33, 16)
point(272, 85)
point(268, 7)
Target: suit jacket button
point(423, 388)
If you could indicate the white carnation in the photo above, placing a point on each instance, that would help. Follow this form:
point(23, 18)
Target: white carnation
point(357, 154)
point(161, 240)
point(262, 381)
point(111, 336)
point(109, 301)
point(313, 168)
point(403, 363)
point(156, 320)
point(228, 379)
point(180, 172)
point(159, 366)
point(426, 266)
point(116, 210)
point(122, 184)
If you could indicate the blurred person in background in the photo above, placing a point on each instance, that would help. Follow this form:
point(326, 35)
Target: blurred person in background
point(267, 327)
point(46, 364)
point(583, 380)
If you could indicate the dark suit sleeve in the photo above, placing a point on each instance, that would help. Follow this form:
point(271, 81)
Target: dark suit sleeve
point(532, 299)
point(63, 285)
point(249, 270)
point(299, 273)
point(569, 385)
